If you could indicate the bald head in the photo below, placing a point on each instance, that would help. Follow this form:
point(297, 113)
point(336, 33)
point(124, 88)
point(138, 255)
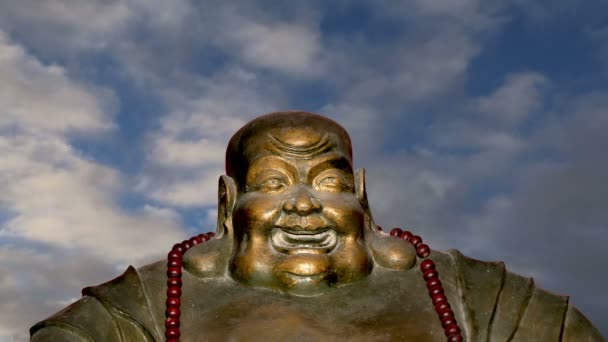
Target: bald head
point(297, 210)
point(291, 134)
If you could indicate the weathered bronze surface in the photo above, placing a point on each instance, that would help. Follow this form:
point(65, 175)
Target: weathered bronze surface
point(297, 258)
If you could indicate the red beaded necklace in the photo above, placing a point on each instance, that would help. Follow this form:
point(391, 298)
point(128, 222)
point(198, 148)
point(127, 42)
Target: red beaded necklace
point(429, 273)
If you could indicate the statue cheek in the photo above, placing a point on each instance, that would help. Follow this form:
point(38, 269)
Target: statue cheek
point(349, 219)
point(254, 261)
point(351, 262)
point(253, 211)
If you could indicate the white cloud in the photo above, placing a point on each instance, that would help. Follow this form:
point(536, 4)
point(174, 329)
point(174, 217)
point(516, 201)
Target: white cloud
point(34, 285)
point(53, 194)
point(40, 99)
point(599, 38)
point(408, 191)
point(546, 12)
point(185, 156)
point(196, 191)
point(484, 132)
point(70, 204)
point(391, 77)
point(165, 16)
point(474, 15)
point(53, 197)
point(518, 97)
point(172, 153)
point(492, 122)
point(284, 47)
point(67, 24)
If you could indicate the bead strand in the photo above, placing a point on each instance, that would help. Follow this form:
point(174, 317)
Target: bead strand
point(174, 284)
point(433, 284)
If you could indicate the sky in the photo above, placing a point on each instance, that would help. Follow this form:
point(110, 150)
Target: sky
point(481, 125)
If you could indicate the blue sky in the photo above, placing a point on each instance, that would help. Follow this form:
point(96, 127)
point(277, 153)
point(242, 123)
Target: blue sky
point(481, 125)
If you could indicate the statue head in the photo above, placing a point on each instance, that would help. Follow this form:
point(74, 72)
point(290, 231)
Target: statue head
point(293, 212)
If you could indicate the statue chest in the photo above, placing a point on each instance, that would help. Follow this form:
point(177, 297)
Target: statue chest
point(358, 312)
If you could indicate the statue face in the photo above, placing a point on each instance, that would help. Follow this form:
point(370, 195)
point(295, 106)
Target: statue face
point(298, 223)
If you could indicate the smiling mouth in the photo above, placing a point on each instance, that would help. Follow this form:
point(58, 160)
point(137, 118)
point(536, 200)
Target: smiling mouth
point(291, 241)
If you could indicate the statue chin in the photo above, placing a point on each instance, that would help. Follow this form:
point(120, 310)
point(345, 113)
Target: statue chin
point(303, 271)
point(304, 274)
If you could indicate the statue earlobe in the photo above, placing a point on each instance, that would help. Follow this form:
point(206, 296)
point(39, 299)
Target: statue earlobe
point(227, 192)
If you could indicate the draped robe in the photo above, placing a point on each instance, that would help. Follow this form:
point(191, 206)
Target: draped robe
point(489, 302)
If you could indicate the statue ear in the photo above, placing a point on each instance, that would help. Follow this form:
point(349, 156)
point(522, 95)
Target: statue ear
point(211, 259)
point(386, 251)
point(362, 192)
point(226, 199)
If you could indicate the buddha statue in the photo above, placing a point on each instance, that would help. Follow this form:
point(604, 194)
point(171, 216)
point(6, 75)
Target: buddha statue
point(297, 256)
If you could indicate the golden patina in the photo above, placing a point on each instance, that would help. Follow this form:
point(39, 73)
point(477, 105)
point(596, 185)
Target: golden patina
point(297, 257)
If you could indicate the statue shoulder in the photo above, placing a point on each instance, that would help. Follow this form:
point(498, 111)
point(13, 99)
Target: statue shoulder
point(85, 320)
point(578, 328)
point(114, 311)
point(501, 305)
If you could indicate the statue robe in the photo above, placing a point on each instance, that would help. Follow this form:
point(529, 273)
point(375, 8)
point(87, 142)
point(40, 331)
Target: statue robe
point(490, 304)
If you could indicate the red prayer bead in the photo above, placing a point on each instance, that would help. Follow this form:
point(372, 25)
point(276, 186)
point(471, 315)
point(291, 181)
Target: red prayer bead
point(172, 323)
point(186, 244)
point(430, 274)
point(433, 282)
point(174, 263)
point(174, 272)
point(172, 313)
point(204, 237)
point(195, 240)
point(378, 228)
point(443, 306)
point(395, 232)
point(447, 321)
point(435, 290)
point(174, 282)
point(446, 313)
point(416, 240)
point(175, 255)
point(172, 333)
point(452, 329)
point(211, 234)
point(174, 292)
point(173, 302)
point(455, 338)
point(427, 265)
point(439, 298)
point(178, 247)
point(406, 235)
point(423, 251)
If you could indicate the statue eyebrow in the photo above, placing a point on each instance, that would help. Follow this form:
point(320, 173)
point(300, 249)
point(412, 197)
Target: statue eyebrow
point(255, 166)
point(340, 163)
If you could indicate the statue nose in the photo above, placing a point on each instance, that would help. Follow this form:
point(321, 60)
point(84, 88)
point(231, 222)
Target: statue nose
point(302, 203)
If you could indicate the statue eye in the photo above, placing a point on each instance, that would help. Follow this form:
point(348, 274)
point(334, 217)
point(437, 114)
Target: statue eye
point(272, 184)
point(332, 183)
point(329, 180)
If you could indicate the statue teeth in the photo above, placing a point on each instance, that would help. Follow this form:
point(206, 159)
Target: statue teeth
point(287, 241)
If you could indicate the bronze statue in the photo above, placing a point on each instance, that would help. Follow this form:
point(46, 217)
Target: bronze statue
point(297, 257)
